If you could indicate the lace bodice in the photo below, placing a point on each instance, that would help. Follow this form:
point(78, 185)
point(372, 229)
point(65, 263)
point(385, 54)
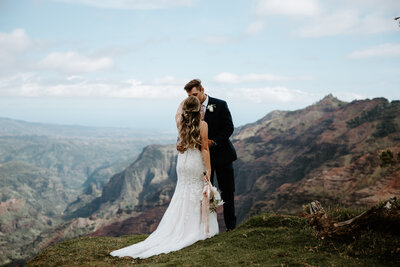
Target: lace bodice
point(190, 167)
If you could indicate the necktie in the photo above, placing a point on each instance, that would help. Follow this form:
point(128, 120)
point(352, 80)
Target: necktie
point(202, 112)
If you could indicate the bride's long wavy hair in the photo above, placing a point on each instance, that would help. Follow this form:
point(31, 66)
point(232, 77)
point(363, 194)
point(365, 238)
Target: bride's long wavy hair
point(189, 129)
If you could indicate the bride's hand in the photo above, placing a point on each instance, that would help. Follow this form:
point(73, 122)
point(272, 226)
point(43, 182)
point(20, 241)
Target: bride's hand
point(180, 148)
point(206, 178)
point(207, 190)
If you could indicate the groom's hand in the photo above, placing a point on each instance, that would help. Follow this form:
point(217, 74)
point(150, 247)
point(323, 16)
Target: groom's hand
point(211, 143)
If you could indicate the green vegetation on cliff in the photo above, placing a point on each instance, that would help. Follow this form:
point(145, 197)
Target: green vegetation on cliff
point(263, 240)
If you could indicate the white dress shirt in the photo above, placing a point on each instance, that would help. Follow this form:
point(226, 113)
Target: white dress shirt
point(205, 103)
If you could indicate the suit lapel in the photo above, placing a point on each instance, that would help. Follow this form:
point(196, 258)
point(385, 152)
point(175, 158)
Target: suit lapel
point(210, 102)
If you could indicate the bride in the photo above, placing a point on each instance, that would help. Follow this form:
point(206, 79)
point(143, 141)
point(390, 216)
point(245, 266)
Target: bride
point(183, 222)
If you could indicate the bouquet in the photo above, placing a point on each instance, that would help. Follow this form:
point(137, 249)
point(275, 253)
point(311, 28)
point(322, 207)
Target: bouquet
point(215, 200)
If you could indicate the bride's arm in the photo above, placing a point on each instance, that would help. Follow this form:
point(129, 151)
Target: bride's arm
point(204, 148)
point(178, 114)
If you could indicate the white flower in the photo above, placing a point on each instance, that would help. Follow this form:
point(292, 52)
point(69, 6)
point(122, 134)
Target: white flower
point(211, 107)
point(216, 193)
point(216, 200)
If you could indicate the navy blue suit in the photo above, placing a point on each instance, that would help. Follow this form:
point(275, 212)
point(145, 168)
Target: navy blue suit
point(220, 128)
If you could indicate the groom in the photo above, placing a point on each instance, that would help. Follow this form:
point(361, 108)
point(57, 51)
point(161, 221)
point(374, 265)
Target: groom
point(222, 152)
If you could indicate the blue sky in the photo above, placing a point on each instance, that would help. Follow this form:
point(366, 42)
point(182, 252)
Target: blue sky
point(124, 63)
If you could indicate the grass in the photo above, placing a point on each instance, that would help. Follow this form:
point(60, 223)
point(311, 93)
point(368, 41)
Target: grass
point(263, 240)
point(341, 213)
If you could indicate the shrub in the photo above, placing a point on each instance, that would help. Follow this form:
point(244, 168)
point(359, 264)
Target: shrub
point(386, 158)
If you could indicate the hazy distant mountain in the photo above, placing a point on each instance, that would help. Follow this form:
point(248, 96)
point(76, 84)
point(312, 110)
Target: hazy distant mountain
point(45, 167)
point(11, 127)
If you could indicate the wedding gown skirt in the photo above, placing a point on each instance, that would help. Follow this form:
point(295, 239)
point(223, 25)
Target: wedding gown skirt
point(181, 224)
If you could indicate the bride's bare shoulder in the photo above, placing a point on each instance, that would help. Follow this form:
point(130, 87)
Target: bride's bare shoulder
point(203, 126)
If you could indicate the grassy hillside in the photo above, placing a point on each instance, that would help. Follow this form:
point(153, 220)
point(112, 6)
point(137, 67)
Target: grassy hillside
point(263, 240)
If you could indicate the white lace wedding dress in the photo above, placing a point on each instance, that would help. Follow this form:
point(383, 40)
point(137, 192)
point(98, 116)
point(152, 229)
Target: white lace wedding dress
point(181, 224)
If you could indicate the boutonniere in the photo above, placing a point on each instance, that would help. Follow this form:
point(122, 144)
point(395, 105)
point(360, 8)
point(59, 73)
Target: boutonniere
point(211, 107)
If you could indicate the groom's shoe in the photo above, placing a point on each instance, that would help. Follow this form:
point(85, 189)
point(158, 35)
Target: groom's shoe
point(230, 229)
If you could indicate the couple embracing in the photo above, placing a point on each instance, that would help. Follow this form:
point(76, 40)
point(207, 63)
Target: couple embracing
point(204, 124)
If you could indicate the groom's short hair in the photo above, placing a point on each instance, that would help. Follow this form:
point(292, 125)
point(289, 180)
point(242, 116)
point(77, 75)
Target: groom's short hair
point(193, 83)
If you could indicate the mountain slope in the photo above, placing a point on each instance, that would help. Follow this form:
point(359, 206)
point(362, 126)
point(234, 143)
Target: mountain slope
point(298, 156)
point(31, 199)
point(148, 181)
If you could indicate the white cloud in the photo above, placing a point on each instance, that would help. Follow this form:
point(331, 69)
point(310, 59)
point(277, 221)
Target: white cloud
point(75, 78)
point(283, 95)
point(15, 42)
point(131, 4)
point(227, 77)
point(16, 85)
point(138, 89)
point(350, 96)
point(12, 46)
point(371, 5)
point(383, 50)
point(348, 21)
point(74, 63)
point(277, 94)
point(328, 18)
point(334, 24)
point(30, 85)
point(16, 45)
point(288, 7)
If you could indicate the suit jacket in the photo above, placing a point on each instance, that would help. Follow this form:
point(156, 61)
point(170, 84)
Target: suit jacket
point(220, 128)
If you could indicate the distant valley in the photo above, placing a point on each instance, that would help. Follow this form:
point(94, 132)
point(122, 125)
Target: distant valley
point(45, 167)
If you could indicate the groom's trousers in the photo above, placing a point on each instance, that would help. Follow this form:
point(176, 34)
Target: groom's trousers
point(226, 184)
